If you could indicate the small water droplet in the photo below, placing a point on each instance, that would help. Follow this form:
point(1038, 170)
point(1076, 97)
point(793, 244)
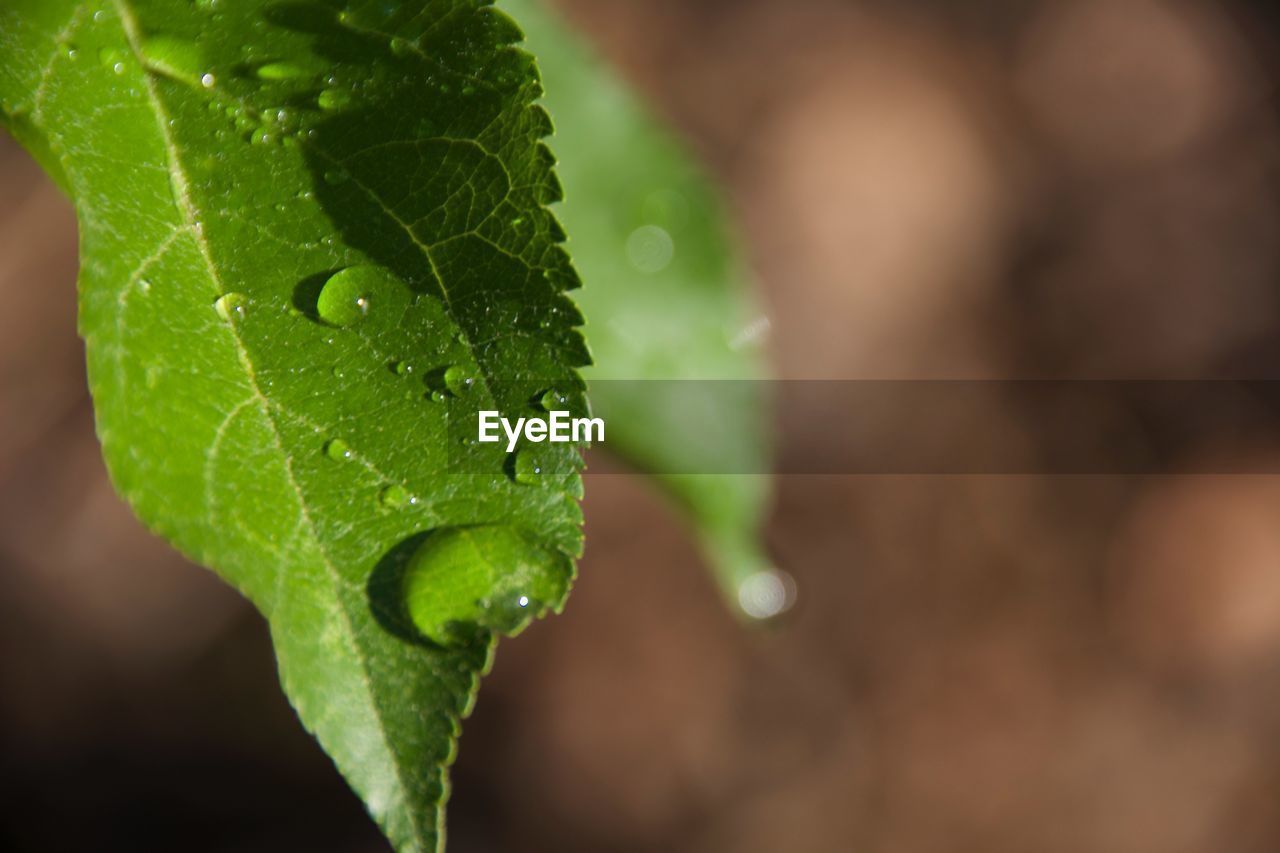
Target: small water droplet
point(553, 400)
point(337, 450)
point(401, 368)
point(463, 580)
point(348, 295)
point(401, 47)
point(528, 467)
point(458, 380)
point(231, 306)
point(395, 496)
point(336, 176)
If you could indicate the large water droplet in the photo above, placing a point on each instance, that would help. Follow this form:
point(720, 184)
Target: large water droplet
point(490, 577)
point(231, 306)
point(348, 295)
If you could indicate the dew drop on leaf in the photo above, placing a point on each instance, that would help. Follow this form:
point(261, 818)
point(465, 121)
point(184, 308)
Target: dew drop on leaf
point(491, 577)
point(458, 380)
point(348, 295)
point(394, 497)
point(528, 467)
point(231, 306)
point(553, 400)
point(337, 450)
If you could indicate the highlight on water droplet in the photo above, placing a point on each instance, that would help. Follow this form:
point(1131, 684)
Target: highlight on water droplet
point(767, 594)
point(337, 450)
point(347, 297)
point(231, 306)
point(465, 580)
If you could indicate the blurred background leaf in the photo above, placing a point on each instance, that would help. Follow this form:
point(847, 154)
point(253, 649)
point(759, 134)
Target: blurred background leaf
point(669, 297)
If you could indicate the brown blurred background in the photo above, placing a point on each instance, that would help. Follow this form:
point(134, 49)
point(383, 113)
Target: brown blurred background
point(928, 189)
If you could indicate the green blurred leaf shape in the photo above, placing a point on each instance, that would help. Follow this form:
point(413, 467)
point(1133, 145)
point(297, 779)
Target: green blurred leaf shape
point(669, 298)
point(227, 160)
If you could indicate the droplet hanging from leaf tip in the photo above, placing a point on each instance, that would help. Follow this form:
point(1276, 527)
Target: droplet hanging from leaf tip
point(767, 594)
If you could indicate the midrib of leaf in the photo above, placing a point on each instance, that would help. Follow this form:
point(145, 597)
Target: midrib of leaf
point(181, 182)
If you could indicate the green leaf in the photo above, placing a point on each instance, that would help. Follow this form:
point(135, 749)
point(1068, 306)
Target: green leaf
point(309, 235)
point(669, 297)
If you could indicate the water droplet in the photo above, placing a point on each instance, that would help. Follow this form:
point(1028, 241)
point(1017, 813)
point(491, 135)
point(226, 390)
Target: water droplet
point(438, 396)
point(401, 368)
point(173, 57)
point(650, 248)
point(231, 306)
point(491, 577)
point(281, 71)
point(528, 467)
point(348, 295)
point(337, 450)
point(395, 496)
point(334, 99)
point(766, 594)
point(458, 380)
point(207, 80)
point(553, 400)
point(401, 47)
point(336, 176)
